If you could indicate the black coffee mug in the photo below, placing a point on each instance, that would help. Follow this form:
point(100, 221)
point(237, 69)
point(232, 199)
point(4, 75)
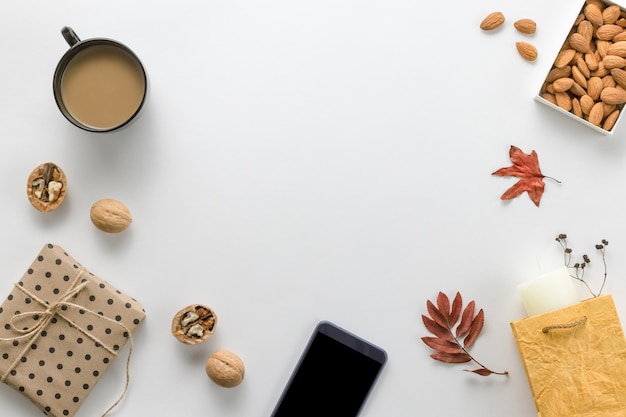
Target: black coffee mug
point(99, 84)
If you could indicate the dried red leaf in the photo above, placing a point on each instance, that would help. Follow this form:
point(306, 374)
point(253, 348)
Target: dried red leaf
point(480, 371)
point(443, 303)
point(451, 357)
point(475, 329)
point(442, 345)
point(442, 323)
point(436, 315)
point(436, 329)
point(525, 167)
point(466, 320)
point(457, 307)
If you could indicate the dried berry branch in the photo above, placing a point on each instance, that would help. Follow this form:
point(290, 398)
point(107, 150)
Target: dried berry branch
point(452, 340)
point(580, 267)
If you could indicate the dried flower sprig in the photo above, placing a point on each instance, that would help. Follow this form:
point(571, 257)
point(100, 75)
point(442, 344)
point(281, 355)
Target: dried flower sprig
point(452, 340)
point(580, 267)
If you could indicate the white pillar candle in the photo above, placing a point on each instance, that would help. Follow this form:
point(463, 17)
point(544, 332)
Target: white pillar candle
point(549, 292)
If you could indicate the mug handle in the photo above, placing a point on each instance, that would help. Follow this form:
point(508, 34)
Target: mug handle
point(70, 36)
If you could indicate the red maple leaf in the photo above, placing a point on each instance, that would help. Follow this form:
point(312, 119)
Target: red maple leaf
point(526, 167)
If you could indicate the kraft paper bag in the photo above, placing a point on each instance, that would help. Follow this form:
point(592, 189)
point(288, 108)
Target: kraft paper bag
point(61, 327)
point(575, 360)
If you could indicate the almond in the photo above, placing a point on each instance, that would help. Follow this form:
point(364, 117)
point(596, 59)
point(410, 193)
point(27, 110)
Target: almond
point(594, 87)
point(602, 48)
point(592, 61)
point(619, 37)
point(617, 48)
point(599, 4)
point(579, 43)
point(582, 67)
point(493, 21)
point(564, 58)
point(526, 50)
point(619, 75)
point(577, 90)
point(608, 81)
point(579, 77)
point(613, 61)
point(586, 103)
point(549, 97)
point(527, 26)
point(594, 14)
point(600, 71)
point(610, 14)
point(564, 101)
point(562, 84)
point(613, 95)
point(608, 32)
point(556, 73)
point(608, 109)
point(609, 121)
point(576, 108)
point(596, 114)
point(585, 28)
point(621, 22)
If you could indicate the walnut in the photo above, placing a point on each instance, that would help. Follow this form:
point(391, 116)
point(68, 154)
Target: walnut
point(46, 187)
point(194, 324)
point(225, 369)
point(110, 215)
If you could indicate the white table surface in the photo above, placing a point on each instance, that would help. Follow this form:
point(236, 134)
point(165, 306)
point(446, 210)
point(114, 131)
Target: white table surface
point(309, 160)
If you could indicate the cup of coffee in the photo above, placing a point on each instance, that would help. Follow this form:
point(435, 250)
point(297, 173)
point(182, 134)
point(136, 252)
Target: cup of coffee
point(99, 84)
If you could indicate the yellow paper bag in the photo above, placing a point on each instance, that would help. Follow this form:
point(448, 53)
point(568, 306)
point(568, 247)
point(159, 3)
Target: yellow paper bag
point(575, 360)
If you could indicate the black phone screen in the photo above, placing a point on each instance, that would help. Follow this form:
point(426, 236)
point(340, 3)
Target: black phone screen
point(333, 377)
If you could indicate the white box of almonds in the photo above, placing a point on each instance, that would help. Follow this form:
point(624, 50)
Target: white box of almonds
point(587, 80)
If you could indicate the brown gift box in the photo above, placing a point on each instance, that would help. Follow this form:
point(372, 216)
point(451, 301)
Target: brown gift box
point(575, 359)
point(60, 329)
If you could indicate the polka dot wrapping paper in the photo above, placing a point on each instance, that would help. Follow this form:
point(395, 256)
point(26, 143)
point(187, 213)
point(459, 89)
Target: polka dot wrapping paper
point(60, 329)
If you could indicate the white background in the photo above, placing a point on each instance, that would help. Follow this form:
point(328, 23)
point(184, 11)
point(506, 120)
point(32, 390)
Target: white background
point(308, 160)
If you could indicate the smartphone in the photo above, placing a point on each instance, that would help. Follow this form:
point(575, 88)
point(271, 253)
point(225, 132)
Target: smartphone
point(334, 376)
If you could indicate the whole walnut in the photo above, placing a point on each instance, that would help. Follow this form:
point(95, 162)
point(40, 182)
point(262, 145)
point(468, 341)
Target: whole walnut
point(110, 215)
point(225, 369)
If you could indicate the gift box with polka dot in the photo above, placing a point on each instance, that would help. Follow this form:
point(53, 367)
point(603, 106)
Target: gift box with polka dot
point(60, 329)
